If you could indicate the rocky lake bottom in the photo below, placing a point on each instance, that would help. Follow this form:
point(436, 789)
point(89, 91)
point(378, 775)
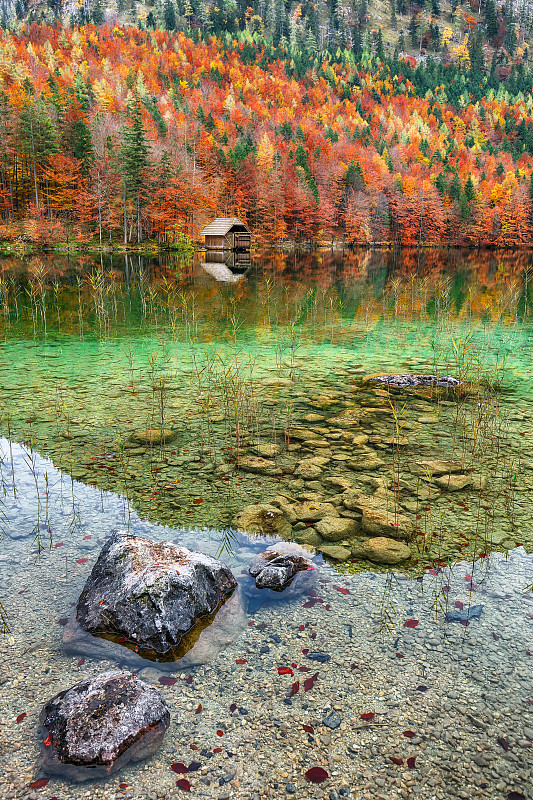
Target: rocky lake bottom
point(228, 419)
point(405, 699)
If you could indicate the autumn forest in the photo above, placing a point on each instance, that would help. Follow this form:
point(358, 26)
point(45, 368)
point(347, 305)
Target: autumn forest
point(122, 135)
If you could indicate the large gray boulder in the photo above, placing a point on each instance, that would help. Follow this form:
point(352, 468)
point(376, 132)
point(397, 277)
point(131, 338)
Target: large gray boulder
point(97, 726)
point(148, 595)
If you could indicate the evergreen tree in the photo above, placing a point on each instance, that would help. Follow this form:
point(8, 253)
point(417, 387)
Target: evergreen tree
point(135, 163)
point(401, 41)
point(413, 31)
point(491, 18)
point(393, 20)
point(475, 51)
point(169, 16)
point(469, 191)
point(39, 139)
point(379, 45)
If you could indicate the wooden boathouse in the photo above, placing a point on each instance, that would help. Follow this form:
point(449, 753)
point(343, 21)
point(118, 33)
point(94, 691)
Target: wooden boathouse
point(227, 233)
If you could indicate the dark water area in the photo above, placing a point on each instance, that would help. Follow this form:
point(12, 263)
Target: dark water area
point(173, 400)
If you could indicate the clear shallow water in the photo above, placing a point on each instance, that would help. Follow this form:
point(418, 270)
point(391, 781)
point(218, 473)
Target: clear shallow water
point(229, 368)
point(459, 689)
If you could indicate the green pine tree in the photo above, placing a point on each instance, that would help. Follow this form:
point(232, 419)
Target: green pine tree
point(135, 165)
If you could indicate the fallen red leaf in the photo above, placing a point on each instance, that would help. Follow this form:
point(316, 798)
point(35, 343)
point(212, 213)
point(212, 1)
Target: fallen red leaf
point(48, 741)
point(240, 661)
point(183, 783)
point(285, 671)
point(411, 762)
point(21, 716)
point(367, 716)
point(309, 604)
point(504, 744)
point(410, 623)
point(316, 774)
point(308, 728)
point(164, 680)
point(81, 661)
point(199, 709)
point(82, 560)
point(188, 679)
point(233, 707)
point(295, 688)
point(409, 734)
point(396, 760)
point(217, 749)
point(459, 605)
point(341, 589)
point(220, 733)
point(123, 786)
point(301, 627)
point(198, 501)
point(38, 784)
point(179, 768)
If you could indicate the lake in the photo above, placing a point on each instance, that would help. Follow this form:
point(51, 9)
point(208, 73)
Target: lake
point(184, 401)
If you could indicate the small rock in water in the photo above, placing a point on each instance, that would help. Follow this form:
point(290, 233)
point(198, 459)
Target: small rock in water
point(332, 721)
point(318, 656)
point(464, 615)
point(273, 570)
point(442, 381)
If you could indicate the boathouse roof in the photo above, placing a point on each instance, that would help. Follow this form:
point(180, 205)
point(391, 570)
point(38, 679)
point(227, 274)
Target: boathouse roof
point(223, 225)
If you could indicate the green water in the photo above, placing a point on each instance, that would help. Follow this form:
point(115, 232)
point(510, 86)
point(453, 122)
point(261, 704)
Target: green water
point(95, 351)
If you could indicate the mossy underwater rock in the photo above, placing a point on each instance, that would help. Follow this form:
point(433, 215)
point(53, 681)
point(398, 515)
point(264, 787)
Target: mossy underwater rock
point(99, 725)
point(263, 518)
point(149, 595)
point(153, 436)
point(382, 550)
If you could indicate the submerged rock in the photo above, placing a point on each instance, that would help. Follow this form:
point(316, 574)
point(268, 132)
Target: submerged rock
point(313, 510)
point(97, 726)
point(151, 594)
point(263, 518)
point(335, 551)
point(379, 518)
point(274, 570)
point(465, 614)
point(336, 529)
point(382, 550)
point(262, 466)
point(441, 381)
point(209, 637)
point(437, 467)
point(457, 482)
point(153, 436)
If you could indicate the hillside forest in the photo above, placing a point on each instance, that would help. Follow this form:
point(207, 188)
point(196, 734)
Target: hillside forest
point(129, 134)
